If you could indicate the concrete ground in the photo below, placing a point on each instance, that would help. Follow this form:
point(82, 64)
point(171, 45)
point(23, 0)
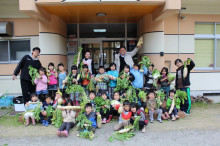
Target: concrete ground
point(202, 127)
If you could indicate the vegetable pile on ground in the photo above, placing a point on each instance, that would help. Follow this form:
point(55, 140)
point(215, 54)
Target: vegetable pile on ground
point(33, 72)
point(127, 132)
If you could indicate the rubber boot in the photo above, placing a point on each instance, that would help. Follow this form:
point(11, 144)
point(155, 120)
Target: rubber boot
point(109, 119)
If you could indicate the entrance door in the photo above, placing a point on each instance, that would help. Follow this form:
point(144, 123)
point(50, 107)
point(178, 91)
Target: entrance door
point(95, 47)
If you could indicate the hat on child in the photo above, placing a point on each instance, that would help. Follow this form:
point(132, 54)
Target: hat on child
point(58, 92)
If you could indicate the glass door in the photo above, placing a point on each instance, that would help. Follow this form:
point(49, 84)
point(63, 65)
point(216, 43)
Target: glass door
point(95, 48)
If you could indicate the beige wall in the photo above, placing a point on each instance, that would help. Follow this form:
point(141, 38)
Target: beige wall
point(56, 59)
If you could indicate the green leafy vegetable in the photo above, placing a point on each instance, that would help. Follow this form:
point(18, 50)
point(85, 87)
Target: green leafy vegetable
point(156, 75)
point(57, 119)
point(33, 72)
point(170, 77)
point(49, 111)
point(37, 111)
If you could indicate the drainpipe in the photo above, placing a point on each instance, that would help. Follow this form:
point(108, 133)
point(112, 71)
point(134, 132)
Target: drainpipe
point(179, 16)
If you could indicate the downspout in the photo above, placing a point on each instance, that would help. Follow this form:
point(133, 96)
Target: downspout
point(179, 16)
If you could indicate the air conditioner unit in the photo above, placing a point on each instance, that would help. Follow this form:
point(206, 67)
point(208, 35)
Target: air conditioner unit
point(6, 29)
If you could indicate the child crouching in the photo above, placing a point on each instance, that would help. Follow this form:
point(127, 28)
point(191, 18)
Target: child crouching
point(68, 120)
point(46, 104)
point(124, 116)
point(136, 111)
point(30, 106)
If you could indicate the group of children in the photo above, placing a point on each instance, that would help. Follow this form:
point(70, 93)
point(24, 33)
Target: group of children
point(52, 83)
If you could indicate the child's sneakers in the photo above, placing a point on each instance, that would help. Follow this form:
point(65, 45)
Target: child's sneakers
point(47, 123)
point(160, 120)
point(151, 120)
point(77, 103)
point(143, 130)
point(173, 118)
point(104, 121)
point(43, 122)
point(59, 134)
point(177, 117)
point(64, 133)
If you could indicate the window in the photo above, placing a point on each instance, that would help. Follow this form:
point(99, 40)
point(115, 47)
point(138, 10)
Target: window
point(13, 50)
point(207, 45)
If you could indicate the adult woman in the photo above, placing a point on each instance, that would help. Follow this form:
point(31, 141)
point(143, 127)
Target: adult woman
point(89, 62)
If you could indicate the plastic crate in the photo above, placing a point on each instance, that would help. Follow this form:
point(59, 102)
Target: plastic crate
point(19, 103)
point(6, 101)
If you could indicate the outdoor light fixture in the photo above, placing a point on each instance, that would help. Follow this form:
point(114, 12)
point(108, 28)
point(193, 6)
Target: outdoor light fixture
point(101, 14)
point(99, 30)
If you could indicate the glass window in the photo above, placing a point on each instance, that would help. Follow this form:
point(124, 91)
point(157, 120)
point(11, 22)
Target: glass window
point(218, 54)
point(217, 28)
point(72, 31)
point(18, 49)
point(105, 30)
point(204, 28)
point(4, 51)
point(204, 53)
point(131, 30)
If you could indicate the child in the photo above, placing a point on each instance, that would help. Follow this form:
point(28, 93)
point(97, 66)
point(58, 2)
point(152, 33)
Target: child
point(75, 79)
point(138, 82)
point(101, 81)
point(165, 84)
point(43, 113)
point(152, 107)
point(68, 120)
point(113, 80)
point(105, 115)
point(92, 97)
point(136, 111)
point(174, 112)
point(30, 106)
point(124, 116)
point(131, 77)
point(52, 79)
point(62, 76)
point(41, 84)
point(148, 85)
point(90, 115)
point(89, 62)
point(57, 97)
point(86, 75)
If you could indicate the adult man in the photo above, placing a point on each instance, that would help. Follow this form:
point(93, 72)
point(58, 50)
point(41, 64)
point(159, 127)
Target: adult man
point(26, 84)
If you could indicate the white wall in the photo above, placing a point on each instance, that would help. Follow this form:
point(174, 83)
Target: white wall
point(52, 44)
point(186, 43)
point(9, 85)
point(153, 43)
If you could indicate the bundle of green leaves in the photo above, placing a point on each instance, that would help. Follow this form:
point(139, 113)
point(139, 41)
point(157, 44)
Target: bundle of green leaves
point(33, 72)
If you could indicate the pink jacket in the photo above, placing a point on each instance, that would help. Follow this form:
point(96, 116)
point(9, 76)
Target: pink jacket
point(52, 78)
point(41, 84)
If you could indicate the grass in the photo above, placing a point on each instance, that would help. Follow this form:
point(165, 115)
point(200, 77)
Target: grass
point(9, 121)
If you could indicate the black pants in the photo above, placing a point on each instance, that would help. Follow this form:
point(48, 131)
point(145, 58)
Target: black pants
point(105, 115)
point(184, 107)
point(27, 88)
point(66, 126)
point(42, 118)
point(174, 112)
point(141, 123)
point(113, 112)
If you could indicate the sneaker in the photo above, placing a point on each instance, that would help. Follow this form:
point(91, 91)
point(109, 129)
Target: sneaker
point(104, 121)
point(173, 118)
point(59, 134)
point(47, 123)
point(160, 120)
point(43, 123)
point(64, 133)
point(177, 117)
point(143, 130)
point(151, 121)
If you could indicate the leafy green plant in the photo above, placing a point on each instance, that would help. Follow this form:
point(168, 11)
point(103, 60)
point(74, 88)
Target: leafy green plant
point(33, 72)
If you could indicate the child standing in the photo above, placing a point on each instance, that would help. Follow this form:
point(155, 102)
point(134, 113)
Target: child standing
point(152, 107)
point(124, 116)
point(41, 84)
point(101, 81)
point(68, 120)
point(138, 82)
point(52, 79)
point(75, 79)
point(131, 77)
point(62, 76)
point(165, 84)
point(148, 85)
point(174, 111)
point(31, 106)
point(136, 111)
point(86, 75)
point(46, 105)
point(105, 110)
point(113, 80)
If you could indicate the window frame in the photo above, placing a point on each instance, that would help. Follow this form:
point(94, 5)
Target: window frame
point(9, 50)
point(214, 37)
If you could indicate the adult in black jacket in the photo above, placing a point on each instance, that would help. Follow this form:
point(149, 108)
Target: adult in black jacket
point(184, 83)
point(26, 84)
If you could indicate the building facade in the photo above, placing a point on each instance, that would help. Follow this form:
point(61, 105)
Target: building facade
point(171, 29)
